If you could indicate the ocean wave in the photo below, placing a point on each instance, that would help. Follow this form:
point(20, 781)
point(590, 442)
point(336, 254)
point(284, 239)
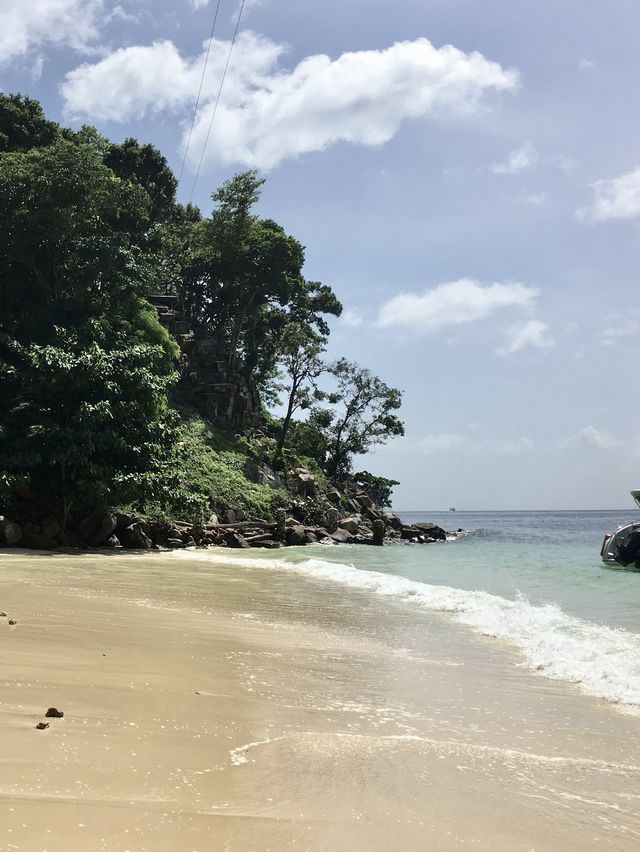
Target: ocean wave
point(604, 661)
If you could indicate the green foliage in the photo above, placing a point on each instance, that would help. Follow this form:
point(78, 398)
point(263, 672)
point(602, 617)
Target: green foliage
point(242, 280)
point(23, 124)
point(379, 488)
point(363, 416)
point(84, 423)
point(206, 473)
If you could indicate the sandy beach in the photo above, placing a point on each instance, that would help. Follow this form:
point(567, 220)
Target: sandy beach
point(210, 705)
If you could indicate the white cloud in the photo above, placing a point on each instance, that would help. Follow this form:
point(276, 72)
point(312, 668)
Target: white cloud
point(198, 4)
point(593, 437)
point(518, 161)
point(453, 303)
point(31, 25)
point(266, 114)
point(534, 199)
point(618, 327)
point(440, 443)
point(533, 333)
point(618, 198)
point(587, 65)
point(351, 317)
point(445, 442)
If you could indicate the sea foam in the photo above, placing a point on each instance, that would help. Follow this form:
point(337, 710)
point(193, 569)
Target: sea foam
point(604, 661)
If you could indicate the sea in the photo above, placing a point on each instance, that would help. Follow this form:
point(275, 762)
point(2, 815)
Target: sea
point(534, 580)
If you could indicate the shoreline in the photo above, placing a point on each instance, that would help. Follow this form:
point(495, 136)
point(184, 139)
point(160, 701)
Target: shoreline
point(212, 706)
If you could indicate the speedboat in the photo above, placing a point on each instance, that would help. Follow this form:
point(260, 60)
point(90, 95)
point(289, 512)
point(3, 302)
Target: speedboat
point(623, 546)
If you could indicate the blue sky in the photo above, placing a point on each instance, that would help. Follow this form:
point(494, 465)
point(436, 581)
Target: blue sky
point(464, 173)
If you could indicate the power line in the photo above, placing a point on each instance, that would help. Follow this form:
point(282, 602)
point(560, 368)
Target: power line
point(195, 109)
point(215, 108)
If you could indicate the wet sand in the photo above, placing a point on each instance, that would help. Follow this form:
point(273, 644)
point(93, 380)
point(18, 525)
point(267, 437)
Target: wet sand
point(210, 706)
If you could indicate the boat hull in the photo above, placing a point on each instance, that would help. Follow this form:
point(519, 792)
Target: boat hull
point(622, 547)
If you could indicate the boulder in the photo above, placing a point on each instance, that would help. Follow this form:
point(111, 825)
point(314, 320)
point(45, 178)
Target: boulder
point(38, 541)
point(311, 537)
point(174, 542)
point(229, 516)
point(306, 484)
point(365, 500)
point(432, 531)
point(331, 519)
point(213, 521)
point(392, 520)
point(379, 529)
point(50, 526)
point(296, 535)
point(134, 537)
point(10, 533)
point(340, 535)
point(112, 542)
point(349, 524)
point(233, 539)
point(124, 519)
point(97, 527)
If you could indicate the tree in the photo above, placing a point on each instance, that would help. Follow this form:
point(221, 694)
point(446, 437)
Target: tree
point(84, 363)
point(243, 280)
point(379, 488)
point(363, 418)
point(85, 423)
point(300, 358)
point(23, 124)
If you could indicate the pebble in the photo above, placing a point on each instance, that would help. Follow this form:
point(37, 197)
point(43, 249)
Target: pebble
point(42, 725)
point(54, 713)
point(12, 621)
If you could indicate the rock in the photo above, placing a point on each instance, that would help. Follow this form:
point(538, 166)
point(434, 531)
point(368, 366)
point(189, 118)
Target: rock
point(54, 713)
point(333, 496)
point(340, 536)
point(306, 484)
point(379, 529)
point(408, 533)
point(30, 527)
point(392, 520)
point(50, 526)
point(365, 500)
point(311, 537)
point(349, 524)
point(3, 614)
point(124, 519)
point(213, 521)
point(240, 515)
point(267, 543)
point(331, 519)
point(233, 539)
point(229, 516)
point(190, 541)
point(134, 537)
point(12, 621)
point(41, 726)
point(37, 541)
point(175, 542)
point(10, 533)
point(280, 516)
point(296, 535)
point(432, 531)
point(97, 527)
point(112, 542)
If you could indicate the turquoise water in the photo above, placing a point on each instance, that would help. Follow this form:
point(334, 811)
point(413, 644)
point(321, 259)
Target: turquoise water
point(531, 579)
point(548, 557)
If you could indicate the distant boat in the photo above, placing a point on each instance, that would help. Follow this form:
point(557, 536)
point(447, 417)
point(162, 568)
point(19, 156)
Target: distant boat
point(452, 509)
point(623, 546)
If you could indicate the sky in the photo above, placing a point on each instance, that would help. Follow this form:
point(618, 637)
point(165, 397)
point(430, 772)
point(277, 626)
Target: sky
point(464, 173)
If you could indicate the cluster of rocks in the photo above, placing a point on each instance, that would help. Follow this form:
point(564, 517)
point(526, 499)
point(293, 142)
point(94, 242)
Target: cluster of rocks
point(326, 516)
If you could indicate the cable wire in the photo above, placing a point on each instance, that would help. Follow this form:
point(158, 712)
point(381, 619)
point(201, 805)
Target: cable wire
point(215, 108)
point(195, 109)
